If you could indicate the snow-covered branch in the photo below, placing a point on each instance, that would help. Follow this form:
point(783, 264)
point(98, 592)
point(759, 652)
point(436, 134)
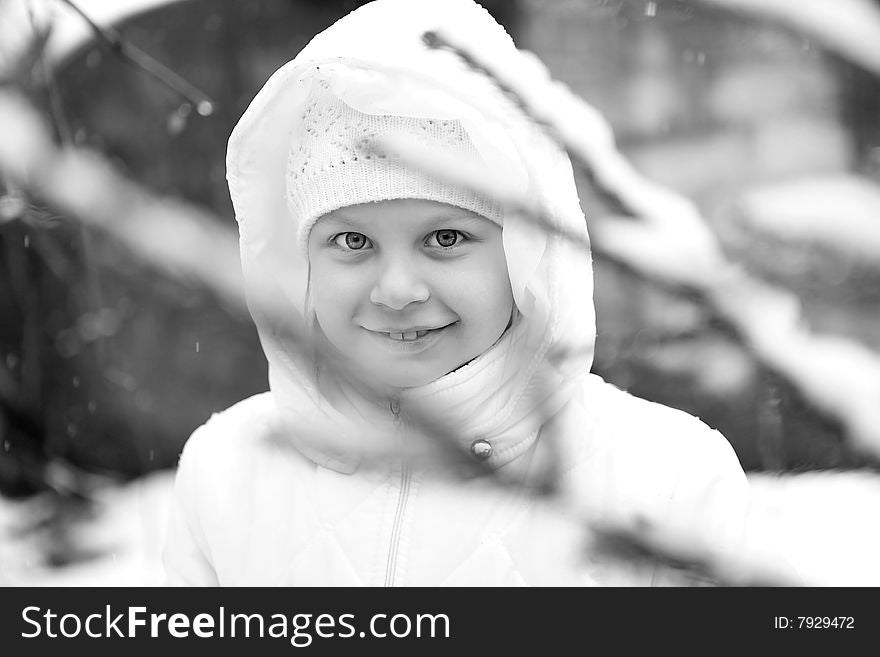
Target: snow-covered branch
point(850, 28)
point(169, 233)
point(838, 212)
point(671, 242)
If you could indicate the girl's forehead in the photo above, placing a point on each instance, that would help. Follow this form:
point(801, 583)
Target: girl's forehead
point(407, 212)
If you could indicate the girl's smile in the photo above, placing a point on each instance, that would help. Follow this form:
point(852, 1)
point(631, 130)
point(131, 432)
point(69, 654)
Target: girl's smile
point(408, 290)
point(411, 341)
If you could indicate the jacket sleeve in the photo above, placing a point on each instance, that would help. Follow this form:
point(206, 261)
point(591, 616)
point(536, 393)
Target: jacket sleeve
point(666, 477)
point(713, 506)
point(186, 556)
point(711, 493)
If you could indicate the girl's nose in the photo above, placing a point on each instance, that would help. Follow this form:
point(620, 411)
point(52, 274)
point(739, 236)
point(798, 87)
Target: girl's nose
point(399, 285)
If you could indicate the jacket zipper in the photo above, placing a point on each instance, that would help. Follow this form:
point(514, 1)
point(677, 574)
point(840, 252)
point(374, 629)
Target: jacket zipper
point(405, 477)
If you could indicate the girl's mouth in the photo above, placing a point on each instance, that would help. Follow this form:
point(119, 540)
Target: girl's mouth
point(411, 340)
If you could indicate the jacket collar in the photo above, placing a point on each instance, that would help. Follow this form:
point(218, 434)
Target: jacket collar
point(500, 399)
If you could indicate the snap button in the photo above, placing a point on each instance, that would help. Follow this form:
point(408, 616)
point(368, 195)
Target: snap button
point(482, 449)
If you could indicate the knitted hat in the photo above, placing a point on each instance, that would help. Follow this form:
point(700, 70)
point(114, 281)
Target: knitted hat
point(331, 164)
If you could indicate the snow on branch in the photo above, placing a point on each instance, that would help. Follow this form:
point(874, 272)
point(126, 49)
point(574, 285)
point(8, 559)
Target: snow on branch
point(671, 243)
point(169, 233)
point(24, 30)
point(849, 27)
point(841, 212)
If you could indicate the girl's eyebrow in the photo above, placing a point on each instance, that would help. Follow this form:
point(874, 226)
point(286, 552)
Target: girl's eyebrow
point(458, 216)
point(339, 218)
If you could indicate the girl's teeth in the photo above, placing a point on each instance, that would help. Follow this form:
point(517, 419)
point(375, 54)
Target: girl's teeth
point(408, 336)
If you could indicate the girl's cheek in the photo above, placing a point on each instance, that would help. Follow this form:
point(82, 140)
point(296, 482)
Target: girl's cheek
point(334, 275)
point(485, 273)
point(351, 289)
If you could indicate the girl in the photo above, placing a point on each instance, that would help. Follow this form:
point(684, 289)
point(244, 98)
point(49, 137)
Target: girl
point(407, 322)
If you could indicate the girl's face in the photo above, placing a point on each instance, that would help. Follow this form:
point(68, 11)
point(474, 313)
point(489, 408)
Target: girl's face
point(408, 290)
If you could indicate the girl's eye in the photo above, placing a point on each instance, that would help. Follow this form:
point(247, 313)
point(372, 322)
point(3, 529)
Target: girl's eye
point(444, 238)
point(351, 241)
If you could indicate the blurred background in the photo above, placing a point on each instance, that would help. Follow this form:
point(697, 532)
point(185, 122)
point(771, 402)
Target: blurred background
point(767, 118)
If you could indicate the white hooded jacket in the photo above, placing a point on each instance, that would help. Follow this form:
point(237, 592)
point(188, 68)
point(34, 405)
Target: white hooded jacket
point(285, 488)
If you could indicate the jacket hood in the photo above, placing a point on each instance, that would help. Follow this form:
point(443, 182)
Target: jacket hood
point(375, 60)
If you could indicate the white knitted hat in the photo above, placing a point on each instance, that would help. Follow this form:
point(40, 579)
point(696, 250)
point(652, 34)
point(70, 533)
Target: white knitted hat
point(331, 164)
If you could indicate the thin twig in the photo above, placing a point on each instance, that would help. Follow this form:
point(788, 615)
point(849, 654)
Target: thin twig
point(129, 52)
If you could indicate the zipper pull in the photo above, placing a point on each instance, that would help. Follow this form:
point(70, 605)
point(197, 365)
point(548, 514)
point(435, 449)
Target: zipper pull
point(394, 405)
